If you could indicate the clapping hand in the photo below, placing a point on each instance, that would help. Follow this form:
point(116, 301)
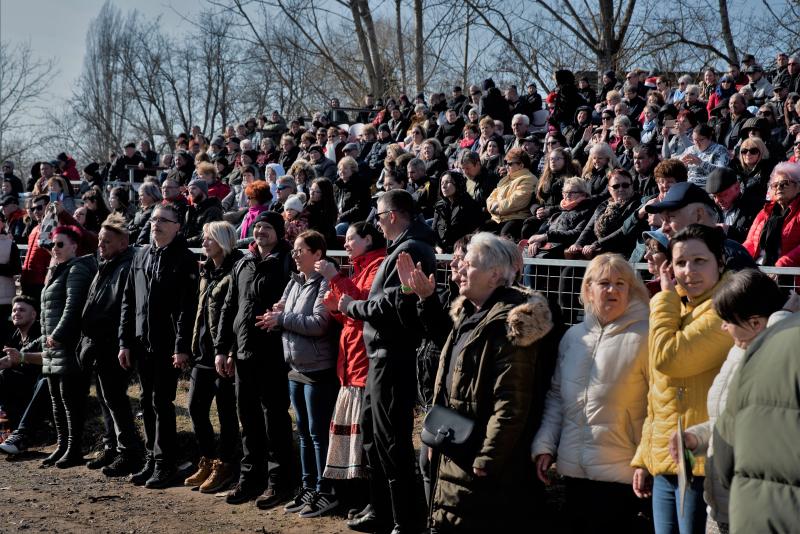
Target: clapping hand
point(344, 300)
point(326, 268)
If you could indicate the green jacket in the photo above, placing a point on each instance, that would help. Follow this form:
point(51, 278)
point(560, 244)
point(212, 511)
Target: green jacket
point(756, 438)
point(63, 298)
point(494, 383)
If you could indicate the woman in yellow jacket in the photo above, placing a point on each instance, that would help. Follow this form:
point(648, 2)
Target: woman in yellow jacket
point(687, 347)
point(509, 202)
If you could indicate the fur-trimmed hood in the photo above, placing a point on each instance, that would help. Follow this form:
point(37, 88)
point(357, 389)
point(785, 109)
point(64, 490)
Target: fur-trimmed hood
point(526, 313)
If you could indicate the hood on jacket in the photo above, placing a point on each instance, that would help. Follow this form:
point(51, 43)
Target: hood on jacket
point(416, 230)
point(528, 321)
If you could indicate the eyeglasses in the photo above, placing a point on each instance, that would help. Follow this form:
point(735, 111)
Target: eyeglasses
point(282, 187)
point(297, 251)
point(783, 184)
point(381, 213)
point(509, 163)
point(623, 185)
point(753, 151)
point(162, 220)
point(572, 194)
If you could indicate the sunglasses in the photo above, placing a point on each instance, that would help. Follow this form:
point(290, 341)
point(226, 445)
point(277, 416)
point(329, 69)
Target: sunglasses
point(512, 163)
point(60, 244)
point(750, 151)
point(623, 185)
point(162, 220)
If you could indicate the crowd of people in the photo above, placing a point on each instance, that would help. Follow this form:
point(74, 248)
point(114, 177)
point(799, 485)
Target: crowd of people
point(699, 180)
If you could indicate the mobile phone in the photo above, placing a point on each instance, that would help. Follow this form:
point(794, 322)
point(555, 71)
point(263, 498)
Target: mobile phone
point(669, 123)
point(53, 196)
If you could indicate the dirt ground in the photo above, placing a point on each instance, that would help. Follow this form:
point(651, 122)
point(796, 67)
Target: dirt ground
point(80, 500)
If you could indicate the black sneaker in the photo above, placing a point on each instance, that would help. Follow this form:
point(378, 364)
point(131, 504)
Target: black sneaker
point(272, 498)
point(163, 477)
point(145, 473)
point(123, 465)
point(322, 504)
point(14, 444)
point(103, 458)
point(303, 497)
point(242, 492)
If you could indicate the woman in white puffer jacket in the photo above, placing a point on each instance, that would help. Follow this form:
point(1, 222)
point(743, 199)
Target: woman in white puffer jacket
point(597, 402)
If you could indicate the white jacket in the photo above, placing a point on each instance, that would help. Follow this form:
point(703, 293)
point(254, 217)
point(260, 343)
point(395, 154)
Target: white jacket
point(597, 401)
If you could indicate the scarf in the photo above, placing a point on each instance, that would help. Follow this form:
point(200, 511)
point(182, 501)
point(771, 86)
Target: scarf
point(466, 143)
point(569, 205)
point(610, 219)
point(649, 126)
point(772, 235)
point(251, 216)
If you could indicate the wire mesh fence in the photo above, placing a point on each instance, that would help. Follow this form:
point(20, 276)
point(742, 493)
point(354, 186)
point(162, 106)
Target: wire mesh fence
point(561, 279)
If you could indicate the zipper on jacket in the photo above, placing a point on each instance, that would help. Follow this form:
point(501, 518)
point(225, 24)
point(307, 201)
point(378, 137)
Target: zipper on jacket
point(586, 391)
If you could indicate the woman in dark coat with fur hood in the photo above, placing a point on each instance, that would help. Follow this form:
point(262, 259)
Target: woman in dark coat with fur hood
point(488, 373)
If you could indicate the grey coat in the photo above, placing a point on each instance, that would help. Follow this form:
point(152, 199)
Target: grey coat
point(63, 298)
point(307, 346)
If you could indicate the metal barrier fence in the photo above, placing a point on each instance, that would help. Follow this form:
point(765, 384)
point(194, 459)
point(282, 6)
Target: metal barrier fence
point(561, 279)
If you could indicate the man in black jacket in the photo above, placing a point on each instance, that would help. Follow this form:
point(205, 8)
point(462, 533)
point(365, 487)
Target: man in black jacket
point(204, 209)
point(738, 209)
point(388, 416)
point(155, 332)
point(480, 182)
point(262, 385)
point(119, 169)
point(122, 448)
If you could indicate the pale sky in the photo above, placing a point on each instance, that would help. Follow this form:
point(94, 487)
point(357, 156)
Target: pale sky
point(57, 28)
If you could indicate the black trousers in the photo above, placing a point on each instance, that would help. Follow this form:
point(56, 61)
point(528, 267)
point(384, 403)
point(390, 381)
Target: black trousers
point(262, 396)
point(387, 425)
point(68, 393)
point(112, 392)
point(39, 408)
point(159, 381)
point(599, 507)
point(16, 391)
point(205, 386)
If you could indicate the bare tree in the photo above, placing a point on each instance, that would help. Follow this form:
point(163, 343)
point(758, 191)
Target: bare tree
point(23, 83)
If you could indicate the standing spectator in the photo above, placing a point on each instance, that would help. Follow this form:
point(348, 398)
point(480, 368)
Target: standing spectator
point(486, 370)
point(9, 176)
point(96, 208)
point(480, 182)
point(322, 210)
point(130, 158)
point(366, 249)
point(212, 377)
point(687, 347)
point(602, 360)
point(37, 258)
point(747, 304)
point(258, 199)
point(122, 448)
point(388, 411)
point(63, 297)
point(262, 388)
point(304, 321)
point(14, 218)
point(139, 227)
point(774, 238)
point(156, 317)
point(352, 195)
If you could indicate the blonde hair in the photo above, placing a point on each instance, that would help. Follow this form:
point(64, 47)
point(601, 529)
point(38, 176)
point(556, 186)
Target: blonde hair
point(602, 150)
point(751, 142)
point(223, 233)
point(348, 162)
point(606, 263)
point(579, 183)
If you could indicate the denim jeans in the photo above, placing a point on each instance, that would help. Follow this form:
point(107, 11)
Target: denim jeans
point(313, 406)
point(666, 506)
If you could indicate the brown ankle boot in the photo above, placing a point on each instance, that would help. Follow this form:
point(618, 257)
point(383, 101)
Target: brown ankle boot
point(221, 476)
point(203, 472)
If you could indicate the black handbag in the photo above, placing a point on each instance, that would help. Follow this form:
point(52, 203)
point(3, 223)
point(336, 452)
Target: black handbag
point(447, 431)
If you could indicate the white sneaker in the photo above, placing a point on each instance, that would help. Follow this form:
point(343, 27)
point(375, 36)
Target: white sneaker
point(14, 444)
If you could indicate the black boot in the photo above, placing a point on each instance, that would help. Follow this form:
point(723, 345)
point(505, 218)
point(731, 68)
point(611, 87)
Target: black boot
point(74, 455)
point(62, 433)
point(103, 458)
point(124, 464)
point(404, 507)
point(164, 475)
point(146, 472)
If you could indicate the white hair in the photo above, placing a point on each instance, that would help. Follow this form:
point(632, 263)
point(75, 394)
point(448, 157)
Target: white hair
point(685, 78)
point(494, 252)
point(523, 118)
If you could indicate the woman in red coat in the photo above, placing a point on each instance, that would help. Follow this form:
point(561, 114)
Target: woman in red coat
point(774, 238)
point(366, 247)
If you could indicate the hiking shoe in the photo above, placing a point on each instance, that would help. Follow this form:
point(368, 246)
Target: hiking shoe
point(123, 465)
point(303, 497)
point(272, 497)
point(242, 492)
point(14, 444)
point(103, 458)
point(163, 477)
point(222, 474)
point(200, 476)
point(144, 474)
point(322, 504)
